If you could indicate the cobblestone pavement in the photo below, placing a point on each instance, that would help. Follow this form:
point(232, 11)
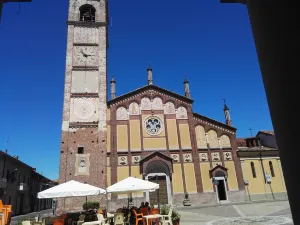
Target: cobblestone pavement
point(268, 213)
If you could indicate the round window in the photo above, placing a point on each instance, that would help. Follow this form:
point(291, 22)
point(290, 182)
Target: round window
point(153, 125)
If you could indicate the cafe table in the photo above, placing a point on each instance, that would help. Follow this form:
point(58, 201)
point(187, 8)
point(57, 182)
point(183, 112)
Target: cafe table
point(154, 216)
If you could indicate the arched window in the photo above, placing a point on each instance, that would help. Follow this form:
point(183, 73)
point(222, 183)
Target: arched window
point(87, 13)
point(271, 169)
point(253, 170)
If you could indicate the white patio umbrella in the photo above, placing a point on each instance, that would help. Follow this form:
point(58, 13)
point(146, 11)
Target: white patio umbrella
point(132, 185)
point(71, 188)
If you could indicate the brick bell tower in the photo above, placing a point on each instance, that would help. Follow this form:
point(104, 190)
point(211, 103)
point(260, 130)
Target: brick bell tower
point(83, 142)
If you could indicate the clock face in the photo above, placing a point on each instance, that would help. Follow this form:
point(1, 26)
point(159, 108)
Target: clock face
point(85, 56)
point(84, 109)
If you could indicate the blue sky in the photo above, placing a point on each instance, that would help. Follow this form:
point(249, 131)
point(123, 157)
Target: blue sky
point(211, 42)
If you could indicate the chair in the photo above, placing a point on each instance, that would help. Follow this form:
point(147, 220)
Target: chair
point(144, 211)
point(167, 219)
point(8, 218)
point(138, 217)
point(118, 219)
point(7, 211)
point(44, 221)
point(101, 218)
point(110, 217)
point(56, 222)
point(153, 211)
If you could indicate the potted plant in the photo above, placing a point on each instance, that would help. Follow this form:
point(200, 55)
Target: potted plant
point(186, 201)
point(175, 217)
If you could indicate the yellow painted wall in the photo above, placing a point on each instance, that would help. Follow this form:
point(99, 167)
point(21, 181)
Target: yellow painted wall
point(215, 163)
point(161, 116)
point(276, 182)
point(225, 141)
point(107, 161)
point(108, 176)
point(281, 174)
point(135, 135)
point(185, 136)
point(108, 114)
point(177, 182)
point(122, 137)
point(256, 185)
point(200, 137)
point(135, 172)
point(213, 139)
point(206, 181)
point(190, 178)
point(155, 143)
point(172, 134)
point(122, 173)
point(108, 138)
point(232, 181)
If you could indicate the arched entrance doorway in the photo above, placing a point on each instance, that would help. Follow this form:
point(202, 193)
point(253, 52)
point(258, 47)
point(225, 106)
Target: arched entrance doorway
point(219, 175)
point(221, 186)
point(158, 172)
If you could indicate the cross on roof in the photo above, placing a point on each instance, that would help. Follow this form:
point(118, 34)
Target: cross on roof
point(250, 129)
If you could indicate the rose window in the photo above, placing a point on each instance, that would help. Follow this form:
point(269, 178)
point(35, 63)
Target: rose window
point(153, 125)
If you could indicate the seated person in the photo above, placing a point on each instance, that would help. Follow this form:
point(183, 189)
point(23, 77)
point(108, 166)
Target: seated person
point(142, 205)
point(147, 206)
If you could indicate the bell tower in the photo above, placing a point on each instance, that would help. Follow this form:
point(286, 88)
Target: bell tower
point(83, 141)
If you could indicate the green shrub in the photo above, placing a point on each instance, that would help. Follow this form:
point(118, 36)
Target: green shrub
point(91, 205)
point(164, 210)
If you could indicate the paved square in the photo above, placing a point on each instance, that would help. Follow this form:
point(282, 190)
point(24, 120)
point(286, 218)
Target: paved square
point(266, 213)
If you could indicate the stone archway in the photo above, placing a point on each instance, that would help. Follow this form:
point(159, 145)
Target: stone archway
point(158, 171)
point(157, 166)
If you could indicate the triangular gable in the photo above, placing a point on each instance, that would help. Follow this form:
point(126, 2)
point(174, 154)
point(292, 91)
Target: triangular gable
point(215, 169)
point(156, 157)
point(156, 154)
point(149, 88)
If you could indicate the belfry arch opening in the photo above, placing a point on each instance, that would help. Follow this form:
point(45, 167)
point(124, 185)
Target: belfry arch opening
point(87, 13)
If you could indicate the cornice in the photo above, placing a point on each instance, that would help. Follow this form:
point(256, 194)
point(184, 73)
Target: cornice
point(83, 68)
point(214, 123)
point(87, 24)
point(84, 95)
point(83, 124)
point(85, 44)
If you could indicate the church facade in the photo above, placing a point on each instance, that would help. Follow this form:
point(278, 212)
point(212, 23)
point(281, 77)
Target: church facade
point(150, 133)
point(153, 134)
